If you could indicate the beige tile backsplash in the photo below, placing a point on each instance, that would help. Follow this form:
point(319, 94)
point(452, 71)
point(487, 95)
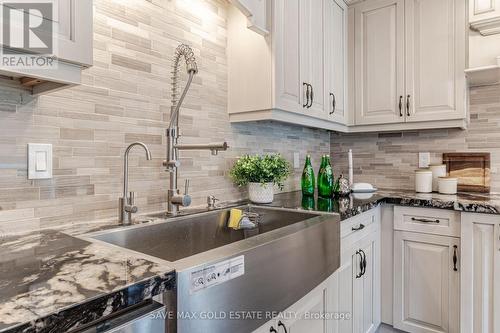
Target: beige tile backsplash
point(125, 98)
point(388, 160)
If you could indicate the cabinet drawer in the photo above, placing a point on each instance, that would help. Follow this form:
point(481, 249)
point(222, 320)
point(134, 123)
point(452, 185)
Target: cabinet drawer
point(357, 223)
point(427, 220)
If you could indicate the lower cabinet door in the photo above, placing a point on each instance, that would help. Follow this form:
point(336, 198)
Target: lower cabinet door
point(341, 295)
point(366, 285)
point(480, 273)
point(309, 314)
point(426, 283)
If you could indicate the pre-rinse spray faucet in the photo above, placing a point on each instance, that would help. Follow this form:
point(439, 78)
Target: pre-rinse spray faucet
point(172, 163)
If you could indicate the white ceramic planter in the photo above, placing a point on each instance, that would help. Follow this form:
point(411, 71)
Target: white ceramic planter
point(261, 194)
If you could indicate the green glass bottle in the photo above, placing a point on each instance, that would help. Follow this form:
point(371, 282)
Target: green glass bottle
point(308, 182)
point(308, 202)
point(325, 204)
point(325, 178)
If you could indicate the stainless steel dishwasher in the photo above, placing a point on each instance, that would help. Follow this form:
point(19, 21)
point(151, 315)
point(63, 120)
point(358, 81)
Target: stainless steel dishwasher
point(149, 318)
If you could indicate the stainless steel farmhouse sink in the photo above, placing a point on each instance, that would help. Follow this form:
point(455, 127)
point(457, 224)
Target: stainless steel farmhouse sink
point(190, 235)
point(224, 272)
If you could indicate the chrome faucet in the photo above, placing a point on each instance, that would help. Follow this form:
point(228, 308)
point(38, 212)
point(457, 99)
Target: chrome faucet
point(172, 163)
point(127, 201)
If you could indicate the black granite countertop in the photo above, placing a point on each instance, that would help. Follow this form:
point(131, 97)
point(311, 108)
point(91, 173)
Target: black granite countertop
point(52, 281)
point(355, 204)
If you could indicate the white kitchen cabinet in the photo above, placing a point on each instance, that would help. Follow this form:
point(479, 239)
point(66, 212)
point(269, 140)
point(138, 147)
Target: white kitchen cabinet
point(366, 288)
point(480, 273)
point(356, 286)
point(309, 314)
point(349, 300)
point(398, 80)
point(311, 54)
point(73, 22)
point(289, 75)
point(335, 58)
point(379, 61)
point(289, 91)
point(426, 283)
point(342, 292)
point(435, 81)
point(484, 16)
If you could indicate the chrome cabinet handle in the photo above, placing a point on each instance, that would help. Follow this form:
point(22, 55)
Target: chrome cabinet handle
point(280, 324)
point(401, 105)
point(272, 330)
point(312, 97)
point(408, 105)
point(425, 220)
point(361, 226)
point(455, 258)
point(334, 103)
point(360, 264)
point(307, 94)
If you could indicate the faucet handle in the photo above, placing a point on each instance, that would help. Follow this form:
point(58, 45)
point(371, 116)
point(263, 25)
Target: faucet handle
point(131, 198)
point(130, 207)
point(186, 186)
point(211, 201)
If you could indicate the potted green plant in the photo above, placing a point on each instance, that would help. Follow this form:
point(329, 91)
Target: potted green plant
point(260, 173)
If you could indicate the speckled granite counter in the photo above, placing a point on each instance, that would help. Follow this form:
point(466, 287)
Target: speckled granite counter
point(358, 203)
point(51, 281)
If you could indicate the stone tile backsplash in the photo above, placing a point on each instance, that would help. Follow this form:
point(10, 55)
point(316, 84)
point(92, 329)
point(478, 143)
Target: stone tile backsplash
point(125, 98)
point(388, 160)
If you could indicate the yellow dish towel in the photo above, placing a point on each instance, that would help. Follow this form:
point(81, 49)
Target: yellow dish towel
point(234, 218)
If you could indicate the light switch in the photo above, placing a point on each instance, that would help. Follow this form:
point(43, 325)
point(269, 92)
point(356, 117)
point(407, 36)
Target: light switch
point(39, 161)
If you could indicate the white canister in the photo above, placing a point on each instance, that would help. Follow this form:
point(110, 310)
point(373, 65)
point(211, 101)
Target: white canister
point(423, 180)
point(448, 185)
point(438, 170)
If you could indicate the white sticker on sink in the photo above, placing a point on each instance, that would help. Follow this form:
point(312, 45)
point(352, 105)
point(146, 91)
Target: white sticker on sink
point(214, 274)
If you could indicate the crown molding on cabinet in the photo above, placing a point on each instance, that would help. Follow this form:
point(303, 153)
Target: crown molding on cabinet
point(483, 76)
point(487, 27)
point(256, 13)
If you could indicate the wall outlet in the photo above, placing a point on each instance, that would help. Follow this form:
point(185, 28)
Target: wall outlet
point(296, 160)
point(424, 159)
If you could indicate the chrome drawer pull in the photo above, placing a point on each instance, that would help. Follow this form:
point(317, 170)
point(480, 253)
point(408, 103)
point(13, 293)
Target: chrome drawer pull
point(361, 226)
point(425, 220)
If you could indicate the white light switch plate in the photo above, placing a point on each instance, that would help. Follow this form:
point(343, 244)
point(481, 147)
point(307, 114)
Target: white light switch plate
point(39, 161)
point(424, 159)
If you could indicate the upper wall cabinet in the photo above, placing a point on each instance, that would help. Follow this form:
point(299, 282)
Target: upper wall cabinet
point(73, 36)
point(409, 58)
point(484, 16)
point(298, 73)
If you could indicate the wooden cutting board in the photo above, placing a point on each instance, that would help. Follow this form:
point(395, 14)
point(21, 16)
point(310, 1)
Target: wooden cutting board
point(471, 169)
